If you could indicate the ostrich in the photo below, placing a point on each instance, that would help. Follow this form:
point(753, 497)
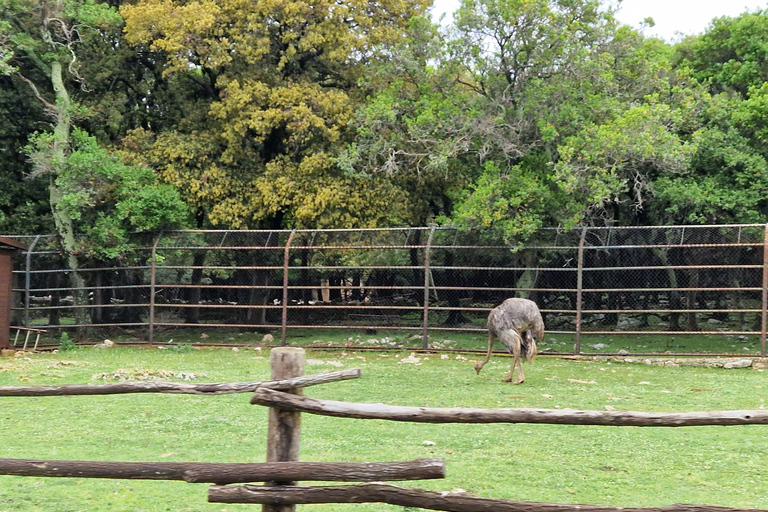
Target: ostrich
point(514, 322)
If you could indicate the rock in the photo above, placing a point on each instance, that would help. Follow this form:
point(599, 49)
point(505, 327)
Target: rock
point(268, 338)
point(204, 336)
point(623, 352)
point(739, 363)
point(105, 344)
point(625, 323)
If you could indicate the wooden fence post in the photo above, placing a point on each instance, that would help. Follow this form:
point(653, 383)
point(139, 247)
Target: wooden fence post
point(284, 428)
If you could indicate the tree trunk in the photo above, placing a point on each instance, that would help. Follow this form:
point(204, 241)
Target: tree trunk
point(529, 276)
point(62, 221)
point(455, 316)
point(192, 313)
point(674, 295)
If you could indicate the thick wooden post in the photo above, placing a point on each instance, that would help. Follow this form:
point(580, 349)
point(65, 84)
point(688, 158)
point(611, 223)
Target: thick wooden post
point(284, 428)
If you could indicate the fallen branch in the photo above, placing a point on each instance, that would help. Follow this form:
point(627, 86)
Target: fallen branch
point(179, 387)
point(229, 473)
point(286, 401)
point(411, 497)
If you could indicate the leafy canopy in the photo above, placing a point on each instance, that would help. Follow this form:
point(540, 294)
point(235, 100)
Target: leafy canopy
point(275, 91)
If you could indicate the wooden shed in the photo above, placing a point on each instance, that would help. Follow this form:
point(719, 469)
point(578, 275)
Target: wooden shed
point(7, 249)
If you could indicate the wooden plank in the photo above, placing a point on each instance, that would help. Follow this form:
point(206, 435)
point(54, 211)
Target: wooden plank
point(419, 498)
point(272, 398)
point(220, 388)
point(229, 473)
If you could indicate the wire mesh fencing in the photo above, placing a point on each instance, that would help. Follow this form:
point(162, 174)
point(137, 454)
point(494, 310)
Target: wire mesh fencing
point(644, 281)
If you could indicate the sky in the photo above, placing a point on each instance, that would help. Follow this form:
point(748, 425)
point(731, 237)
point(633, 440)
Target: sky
point(688, 17)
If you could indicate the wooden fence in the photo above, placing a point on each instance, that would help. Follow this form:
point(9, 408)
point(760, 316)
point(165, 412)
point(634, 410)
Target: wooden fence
point(283, 395)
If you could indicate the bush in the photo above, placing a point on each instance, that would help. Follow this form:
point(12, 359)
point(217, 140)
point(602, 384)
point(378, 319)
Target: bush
point(66, 343)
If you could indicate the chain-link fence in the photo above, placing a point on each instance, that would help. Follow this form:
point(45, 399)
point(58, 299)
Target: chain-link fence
point(705, 280)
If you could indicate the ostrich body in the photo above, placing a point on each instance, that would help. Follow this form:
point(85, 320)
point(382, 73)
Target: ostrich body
point(514, 322)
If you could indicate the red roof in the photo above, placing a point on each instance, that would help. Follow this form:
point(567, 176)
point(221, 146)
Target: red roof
point(11, 244)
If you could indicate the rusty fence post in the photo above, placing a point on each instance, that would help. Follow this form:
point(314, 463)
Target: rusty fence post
point(579, 286)
point(286, 265)
point(284, 427)
point(764, 314)
point(427, 275)
point(153, 287)
point(28, 280)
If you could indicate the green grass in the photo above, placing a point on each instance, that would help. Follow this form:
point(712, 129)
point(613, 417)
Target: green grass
point(620, 466)
point(391, 339)
point(725, 343)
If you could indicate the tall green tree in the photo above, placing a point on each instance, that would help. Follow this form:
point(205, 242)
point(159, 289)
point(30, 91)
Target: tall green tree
point(46, 35)
point(24, 208)
point(275, 89)
point(39, 44)
point(726, 178)
point(477, 113)
point(731, 55)
point(413, 129)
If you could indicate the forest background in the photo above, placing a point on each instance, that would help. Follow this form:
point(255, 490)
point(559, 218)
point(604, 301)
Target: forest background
point(132, 116)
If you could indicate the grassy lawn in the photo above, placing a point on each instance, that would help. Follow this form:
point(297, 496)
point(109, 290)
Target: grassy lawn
point(620, 466)
point(391, 339)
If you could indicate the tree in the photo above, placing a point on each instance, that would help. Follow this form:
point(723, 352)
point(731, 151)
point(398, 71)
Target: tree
point(38, 45)
point(24, 208)
point(46, 34)
point(413, 129)
point(478, 124)
point(275, 88)
point(731, 55)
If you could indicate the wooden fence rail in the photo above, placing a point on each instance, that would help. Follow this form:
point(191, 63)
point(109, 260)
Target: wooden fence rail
point(285, 401)
point(411, 497)
point(221, 388)
point(229, 473)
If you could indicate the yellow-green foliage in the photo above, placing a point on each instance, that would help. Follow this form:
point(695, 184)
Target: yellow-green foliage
point(276, 77)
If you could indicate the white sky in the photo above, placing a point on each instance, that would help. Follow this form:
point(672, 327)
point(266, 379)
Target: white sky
point(688, 17)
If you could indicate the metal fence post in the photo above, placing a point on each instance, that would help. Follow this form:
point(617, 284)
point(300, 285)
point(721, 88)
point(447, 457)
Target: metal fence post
point(425, 330)
point(764, 317)
point(579, 286)
point(286, 263)
point(152, 287)
point(28, 280)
